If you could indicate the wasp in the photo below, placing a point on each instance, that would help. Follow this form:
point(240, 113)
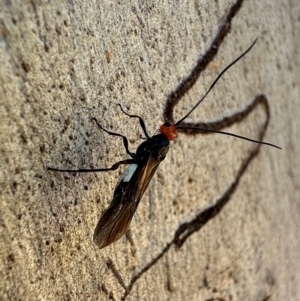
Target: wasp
point(142, 165)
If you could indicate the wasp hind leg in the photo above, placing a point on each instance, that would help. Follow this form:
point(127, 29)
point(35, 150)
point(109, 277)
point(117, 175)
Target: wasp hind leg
point(113, 167)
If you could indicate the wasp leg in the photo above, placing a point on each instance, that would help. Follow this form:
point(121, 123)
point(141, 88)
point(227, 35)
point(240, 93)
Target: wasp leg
point(113, 167)
point(141, 120)
point(125, 140)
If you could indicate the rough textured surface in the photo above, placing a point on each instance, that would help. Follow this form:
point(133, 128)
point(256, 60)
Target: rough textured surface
point(63, 63)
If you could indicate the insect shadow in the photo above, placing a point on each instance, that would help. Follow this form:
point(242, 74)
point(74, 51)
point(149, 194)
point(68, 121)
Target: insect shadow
point(185, 229)
point(189, 228)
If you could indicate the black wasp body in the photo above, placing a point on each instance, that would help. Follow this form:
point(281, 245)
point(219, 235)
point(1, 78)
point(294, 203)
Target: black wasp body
point(132, 184)
point(130, 188)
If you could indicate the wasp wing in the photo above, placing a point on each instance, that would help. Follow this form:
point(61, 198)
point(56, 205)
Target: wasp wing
point(116, 219)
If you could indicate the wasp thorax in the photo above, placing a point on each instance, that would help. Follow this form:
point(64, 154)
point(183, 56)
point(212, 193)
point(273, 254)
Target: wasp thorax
point(169, 130)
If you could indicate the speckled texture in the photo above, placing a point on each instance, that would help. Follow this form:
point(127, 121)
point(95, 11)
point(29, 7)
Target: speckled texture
point(61, 64)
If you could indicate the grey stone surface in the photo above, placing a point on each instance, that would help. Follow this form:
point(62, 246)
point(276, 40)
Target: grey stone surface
point(65, 62)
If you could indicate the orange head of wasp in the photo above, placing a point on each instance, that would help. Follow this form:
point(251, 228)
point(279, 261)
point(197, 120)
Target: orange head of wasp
point(169, 130)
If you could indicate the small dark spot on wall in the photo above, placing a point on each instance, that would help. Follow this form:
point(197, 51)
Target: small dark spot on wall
point(205, 282)
point(23, 138)
point(42, 148)
point(270, 278)
point(58, 30)
point(58, 240)
point(278, 66)
point(25, 67)
point(46, 47)
point(90, 32)
point(11, 258)
point(67, 121)
point(108, 56)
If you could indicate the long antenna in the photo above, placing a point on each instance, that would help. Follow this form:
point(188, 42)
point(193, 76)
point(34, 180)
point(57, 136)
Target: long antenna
point(213, 84)
point(228, 134)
